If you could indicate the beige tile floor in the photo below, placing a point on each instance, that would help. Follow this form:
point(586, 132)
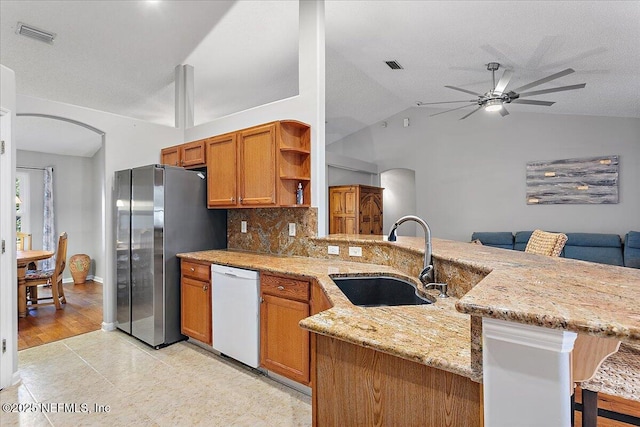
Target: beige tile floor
point(180, 385)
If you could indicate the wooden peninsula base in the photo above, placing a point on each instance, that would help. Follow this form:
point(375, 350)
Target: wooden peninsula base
point(353, 385)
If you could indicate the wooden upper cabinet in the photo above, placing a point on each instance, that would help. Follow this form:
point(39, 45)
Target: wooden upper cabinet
point(294, 162)
point(261, 166)
point(188, 155)
point(257, 171)
point(170, 156)
point(222, 171)
point(355, 209)
point(193, 154)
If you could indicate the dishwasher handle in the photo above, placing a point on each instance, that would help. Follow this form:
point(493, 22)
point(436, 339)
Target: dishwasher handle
point(233, 272)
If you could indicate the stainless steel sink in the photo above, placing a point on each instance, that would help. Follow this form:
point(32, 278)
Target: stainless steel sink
point(379, 291)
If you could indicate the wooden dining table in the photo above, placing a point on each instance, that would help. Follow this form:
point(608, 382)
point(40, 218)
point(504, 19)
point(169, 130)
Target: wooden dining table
point(23, 259)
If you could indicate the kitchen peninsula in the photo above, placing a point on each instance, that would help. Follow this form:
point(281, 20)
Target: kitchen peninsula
point(436, 349)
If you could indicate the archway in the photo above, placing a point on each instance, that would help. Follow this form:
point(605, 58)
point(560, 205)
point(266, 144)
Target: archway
point(76, 151)
point(399, 199)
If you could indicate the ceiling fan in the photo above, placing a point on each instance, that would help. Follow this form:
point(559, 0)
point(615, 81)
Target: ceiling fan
point(498, 96)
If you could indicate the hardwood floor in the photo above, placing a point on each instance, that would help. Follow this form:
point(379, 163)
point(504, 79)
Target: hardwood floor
point(81, 314)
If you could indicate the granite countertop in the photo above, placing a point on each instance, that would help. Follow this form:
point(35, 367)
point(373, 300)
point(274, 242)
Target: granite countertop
point(415, 333)
point(559, 293)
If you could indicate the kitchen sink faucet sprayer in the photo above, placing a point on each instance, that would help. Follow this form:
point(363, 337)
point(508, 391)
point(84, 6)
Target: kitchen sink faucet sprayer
point(426, 276)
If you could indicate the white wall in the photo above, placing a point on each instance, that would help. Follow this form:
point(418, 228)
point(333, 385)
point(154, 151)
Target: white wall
point(8, 288)
point(339, 176)
point(470, 174)
point(308, 106)
point(399, 199)
point(74, 197)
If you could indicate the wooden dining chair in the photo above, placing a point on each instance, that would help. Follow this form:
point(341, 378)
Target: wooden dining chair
point(34, 278)
point(23, 241)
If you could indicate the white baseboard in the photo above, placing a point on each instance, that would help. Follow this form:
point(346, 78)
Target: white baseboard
point(89, 277)
point(108, 327)
point(15, 378)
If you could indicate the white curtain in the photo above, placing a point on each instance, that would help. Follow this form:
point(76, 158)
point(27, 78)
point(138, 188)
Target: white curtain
point(49, 242)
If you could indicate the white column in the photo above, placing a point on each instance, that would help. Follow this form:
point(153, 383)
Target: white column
point(311, 72)
point(526, 375)
point(184, 96)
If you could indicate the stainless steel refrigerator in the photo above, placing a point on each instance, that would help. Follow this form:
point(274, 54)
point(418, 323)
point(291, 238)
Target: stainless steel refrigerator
point(160, 211)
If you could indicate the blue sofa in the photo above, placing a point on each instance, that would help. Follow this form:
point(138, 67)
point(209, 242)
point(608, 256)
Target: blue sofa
point(594, 247)
point(632, 249)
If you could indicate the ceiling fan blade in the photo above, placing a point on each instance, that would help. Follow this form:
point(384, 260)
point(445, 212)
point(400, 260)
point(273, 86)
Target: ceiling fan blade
point(504, 81)
point(532, 102)
point(464, 90)
point(555, 89)
point(464, 117)
point(545, 80)
point(453, 109)
point(420, 103)
point(504, 112)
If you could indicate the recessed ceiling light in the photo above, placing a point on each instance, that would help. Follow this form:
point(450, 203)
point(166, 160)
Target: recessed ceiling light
point(35, 33)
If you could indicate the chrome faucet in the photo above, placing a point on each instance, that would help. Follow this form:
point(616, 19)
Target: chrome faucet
point(426, 275)
point(441, 287)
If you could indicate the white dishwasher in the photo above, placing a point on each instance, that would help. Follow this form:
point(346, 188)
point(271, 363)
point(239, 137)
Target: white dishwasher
point(236, 313)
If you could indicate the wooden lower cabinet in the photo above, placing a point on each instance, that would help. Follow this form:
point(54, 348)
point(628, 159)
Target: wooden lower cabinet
point(357, 386)
point(284, 345)
point(195, 294)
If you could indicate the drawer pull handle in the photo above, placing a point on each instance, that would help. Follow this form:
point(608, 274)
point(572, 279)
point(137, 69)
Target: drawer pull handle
point(193, 269)
point(281, 288)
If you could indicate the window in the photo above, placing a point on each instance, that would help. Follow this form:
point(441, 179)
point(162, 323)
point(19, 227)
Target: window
point(22, 209)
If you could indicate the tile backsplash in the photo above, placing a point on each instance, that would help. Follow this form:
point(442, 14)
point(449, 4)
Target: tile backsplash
point(268, 230)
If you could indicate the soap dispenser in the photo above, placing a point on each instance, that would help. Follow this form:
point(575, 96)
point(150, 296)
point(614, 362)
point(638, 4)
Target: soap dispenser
point(299, 196)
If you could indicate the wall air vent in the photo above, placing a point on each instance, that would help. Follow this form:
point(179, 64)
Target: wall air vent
point(394, 65)
point(35, 33)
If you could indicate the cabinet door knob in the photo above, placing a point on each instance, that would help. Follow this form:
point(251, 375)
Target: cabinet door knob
point(205, 287)
point(240, 199)
point(233, 199)
point(193, 269)
point(281, 288)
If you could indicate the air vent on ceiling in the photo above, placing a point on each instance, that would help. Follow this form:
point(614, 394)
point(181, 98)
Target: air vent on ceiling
point(394, 65)
point(35, 33)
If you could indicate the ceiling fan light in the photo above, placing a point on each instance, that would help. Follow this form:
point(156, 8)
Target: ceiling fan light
point(493, 105)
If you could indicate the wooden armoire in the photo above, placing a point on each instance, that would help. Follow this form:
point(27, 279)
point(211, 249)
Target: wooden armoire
point(355, 209)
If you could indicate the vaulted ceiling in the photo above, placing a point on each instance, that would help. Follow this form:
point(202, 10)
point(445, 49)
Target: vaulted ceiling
point(119, 56)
